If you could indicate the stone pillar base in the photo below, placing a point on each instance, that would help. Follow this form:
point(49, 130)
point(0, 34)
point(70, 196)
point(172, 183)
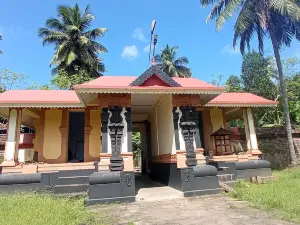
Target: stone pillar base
point(104, 161)
point(255, 154)
point(243, 158)
point(127, 158)
point(128, 161)
point(200, 156)
point(181, 159)
point(27, 169)
point(8, 163)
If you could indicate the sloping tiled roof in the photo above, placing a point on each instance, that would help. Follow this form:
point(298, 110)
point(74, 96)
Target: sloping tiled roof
point(61, 98)
point(155, 70)
point(240, 99)
point(115, 82)
point(222, 132)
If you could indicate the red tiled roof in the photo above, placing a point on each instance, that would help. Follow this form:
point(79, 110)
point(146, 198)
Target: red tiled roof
point(115, 82)
point(240, 99)
point(39, 96)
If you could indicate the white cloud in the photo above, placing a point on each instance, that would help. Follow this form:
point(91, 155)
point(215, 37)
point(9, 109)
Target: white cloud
point(130, 52)
point(147, 48)
point(138, 34)
point(230, 50)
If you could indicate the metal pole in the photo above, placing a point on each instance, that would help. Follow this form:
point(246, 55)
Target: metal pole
point(151, 36)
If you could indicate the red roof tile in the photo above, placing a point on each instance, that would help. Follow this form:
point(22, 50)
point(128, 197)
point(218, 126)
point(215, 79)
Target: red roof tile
point(125, 81)
point(240, 99)
point(39, 96)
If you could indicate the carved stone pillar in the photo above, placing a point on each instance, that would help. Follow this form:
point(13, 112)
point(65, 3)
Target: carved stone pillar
point(188, 131)
point(116, 127)
point(129, 129)
point(104, 122)
point(175, 122)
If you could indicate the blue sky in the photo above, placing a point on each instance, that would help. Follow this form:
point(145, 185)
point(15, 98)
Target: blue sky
point(179, 23)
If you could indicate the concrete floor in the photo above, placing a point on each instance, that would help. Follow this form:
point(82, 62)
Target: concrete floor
point(217, 210)
point(149, 190)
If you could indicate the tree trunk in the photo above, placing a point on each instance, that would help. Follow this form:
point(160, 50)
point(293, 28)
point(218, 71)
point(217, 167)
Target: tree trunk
point(284, 99)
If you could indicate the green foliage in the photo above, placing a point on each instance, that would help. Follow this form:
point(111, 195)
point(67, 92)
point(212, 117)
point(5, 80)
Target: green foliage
point(75, 45)
point(293, 92)
point(171, 65)
point(38, 209)
point(136, 145)
point(63, 80)
point(10, 79)
point(35, 86)
point(233, 84)
point(217, 79)
point(282, 194)
point(257, 74)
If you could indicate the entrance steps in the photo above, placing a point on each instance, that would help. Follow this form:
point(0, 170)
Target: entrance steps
point(226, 176)
point(150, 190)
point(72, 181)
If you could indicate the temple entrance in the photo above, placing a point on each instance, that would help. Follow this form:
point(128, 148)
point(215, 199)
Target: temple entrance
point(76, 137)
point(152, 122)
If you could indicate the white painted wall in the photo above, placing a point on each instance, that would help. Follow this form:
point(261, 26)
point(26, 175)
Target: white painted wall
point(10, 147)
point(162, 128)
point(253, 139)
point(124, 147)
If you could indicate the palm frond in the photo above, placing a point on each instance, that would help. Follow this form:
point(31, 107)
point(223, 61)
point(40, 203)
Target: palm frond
point(181, 61)
point(97, 32)
point(229, 9)
point(54, 23)
point(65, 14)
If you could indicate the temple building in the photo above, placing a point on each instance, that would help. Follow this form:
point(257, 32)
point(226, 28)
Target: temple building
point(182, 122)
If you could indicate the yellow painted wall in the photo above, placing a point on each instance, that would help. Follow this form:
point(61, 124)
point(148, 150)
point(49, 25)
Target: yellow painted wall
point(162, 128)
point(95, 142)
point(52, 136)
point(216, 117)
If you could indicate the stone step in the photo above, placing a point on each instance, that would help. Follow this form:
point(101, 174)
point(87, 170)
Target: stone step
point(61, 189)
point(226, 177)
point(230, 183)
point(75, 173)
point(72, 180)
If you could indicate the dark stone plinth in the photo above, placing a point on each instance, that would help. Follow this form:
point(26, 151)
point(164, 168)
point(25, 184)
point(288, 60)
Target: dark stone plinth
point(23, 182)
point(7, 179)
point(245, 170)
point(199, 180)
point(107, 186)
point(49, 180)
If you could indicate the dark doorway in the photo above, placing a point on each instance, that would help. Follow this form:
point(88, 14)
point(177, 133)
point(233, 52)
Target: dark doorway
point(76, 137)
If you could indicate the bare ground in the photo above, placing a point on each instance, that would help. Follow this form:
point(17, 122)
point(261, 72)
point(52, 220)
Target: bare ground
point(189, 211)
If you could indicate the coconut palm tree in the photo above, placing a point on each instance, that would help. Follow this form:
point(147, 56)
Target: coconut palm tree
point(174, 67)
point(76, 47)
point(278, 20)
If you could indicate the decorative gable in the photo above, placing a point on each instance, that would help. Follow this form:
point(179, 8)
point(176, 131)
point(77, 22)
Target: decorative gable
point(157, 72)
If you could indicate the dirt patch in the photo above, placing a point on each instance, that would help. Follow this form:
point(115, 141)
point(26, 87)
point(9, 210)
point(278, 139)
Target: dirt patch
point(217, 210)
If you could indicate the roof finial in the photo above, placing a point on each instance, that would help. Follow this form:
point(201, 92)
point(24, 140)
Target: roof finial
point(153, 61)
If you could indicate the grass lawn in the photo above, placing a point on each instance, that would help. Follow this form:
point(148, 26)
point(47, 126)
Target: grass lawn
point(282, 195)
point(45, 209)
